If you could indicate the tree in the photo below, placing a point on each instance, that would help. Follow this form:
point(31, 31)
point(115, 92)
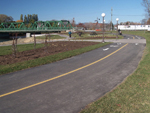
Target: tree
point(25, 19)
point(21, 17)
point(143, 21)
point(146, 4)
point(148, 21)
point(19, 21)
point(36, 17)
point(28, 18)
point(31, 18)
point(5, 18)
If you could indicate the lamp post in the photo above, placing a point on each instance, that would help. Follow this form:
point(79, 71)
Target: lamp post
point(103, 15)
point(117, 19)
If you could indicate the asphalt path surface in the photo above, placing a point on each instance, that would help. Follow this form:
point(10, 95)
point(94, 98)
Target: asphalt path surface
point(67, 86)
point(132, 37)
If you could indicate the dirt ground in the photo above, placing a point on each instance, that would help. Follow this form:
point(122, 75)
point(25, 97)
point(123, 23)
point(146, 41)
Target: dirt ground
point(52, 48)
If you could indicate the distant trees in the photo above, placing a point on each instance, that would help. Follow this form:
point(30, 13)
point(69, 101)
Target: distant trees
point(88, 25)
point(80, 25)
point(29, 18)
point(25, 19)
point(129, 23)
point(21, 17)
point(19, 21)
point(5, 18)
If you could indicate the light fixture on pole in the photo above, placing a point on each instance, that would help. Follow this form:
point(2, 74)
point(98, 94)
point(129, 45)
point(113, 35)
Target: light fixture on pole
point(103, 15)
point(117, 19)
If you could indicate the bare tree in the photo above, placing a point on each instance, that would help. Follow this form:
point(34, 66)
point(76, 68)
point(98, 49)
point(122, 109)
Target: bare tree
point(144, 21)
point(14, 45)
point(148, 21)
point(146, 4)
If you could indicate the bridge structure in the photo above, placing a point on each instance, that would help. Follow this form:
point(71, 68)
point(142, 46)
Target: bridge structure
point(37, 26)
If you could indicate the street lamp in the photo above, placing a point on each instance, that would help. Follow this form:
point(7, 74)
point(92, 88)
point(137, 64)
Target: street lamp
point(117, 19)
point(103, 15)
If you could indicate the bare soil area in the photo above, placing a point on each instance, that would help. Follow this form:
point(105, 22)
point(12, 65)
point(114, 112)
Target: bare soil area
point(50, 49)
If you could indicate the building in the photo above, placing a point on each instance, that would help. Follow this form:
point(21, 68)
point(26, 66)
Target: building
point(134, 27)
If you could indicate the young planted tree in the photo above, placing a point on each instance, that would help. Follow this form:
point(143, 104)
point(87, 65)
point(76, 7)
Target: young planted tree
point(34, 42)
point(46, 44)
point(14, 45)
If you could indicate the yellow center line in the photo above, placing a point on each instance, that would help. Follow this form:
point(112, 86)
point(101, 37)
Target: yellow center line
point(21, 89)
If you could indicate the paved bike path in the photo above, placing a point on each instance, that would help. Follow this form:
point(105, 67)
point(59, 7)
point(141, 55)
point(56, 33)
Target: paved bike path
point(72, 92)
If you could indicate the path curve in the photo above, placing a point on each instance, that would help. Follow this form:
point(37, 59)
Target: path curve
point(104, 68)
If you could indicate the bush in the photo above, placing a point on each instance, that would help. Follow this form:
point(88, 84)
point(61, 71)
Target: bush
point(79, 33)
point(93, 33)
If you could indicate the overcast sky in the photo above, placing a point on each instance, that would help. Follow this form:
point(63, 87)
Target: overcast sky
point(81, 10)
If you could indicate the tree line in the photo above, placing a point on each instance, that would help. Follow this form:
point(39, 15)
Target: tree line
point(29, 18)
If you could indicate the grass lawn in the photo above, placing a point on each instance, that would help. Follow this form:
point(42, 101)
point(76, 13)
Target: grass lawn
point(5, 50)
point(133, 95)
point(40, 61)
point(85, 35)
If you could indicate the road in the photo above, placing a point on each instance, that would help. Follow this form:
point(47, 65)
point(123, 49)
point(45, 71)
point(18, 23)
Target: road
point(67, 86)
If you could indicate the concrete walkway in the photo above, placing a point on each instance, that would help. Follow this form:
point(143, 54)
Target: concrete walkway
point(120, 40)
point(31, 40)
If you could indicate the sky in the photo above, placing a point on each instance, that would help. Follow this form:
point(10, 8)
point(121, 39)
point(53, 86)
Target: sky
point(82, 10)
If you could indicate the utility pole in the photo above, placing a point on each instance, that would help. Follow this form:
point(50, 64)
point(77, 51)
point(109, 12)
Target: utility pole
point(111, 18)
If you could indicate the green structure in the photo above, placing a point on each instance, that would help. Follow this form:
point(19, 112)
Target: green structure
point(37, 26)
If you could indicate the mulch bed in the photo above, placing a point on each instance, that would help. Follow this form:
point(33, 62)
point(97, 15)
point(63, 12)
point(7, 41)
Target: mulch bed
point(53, 48)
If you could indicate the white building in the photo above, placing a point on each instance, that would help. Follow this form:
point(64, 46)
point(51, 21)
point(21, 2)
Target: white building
point(134, 27)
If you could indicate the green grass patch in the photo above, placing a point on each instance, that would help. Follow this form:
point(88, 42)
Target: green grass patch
point(51, 37)
point(86, 35)
point(5, 50)
point(45, 60)
point(132, 96)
